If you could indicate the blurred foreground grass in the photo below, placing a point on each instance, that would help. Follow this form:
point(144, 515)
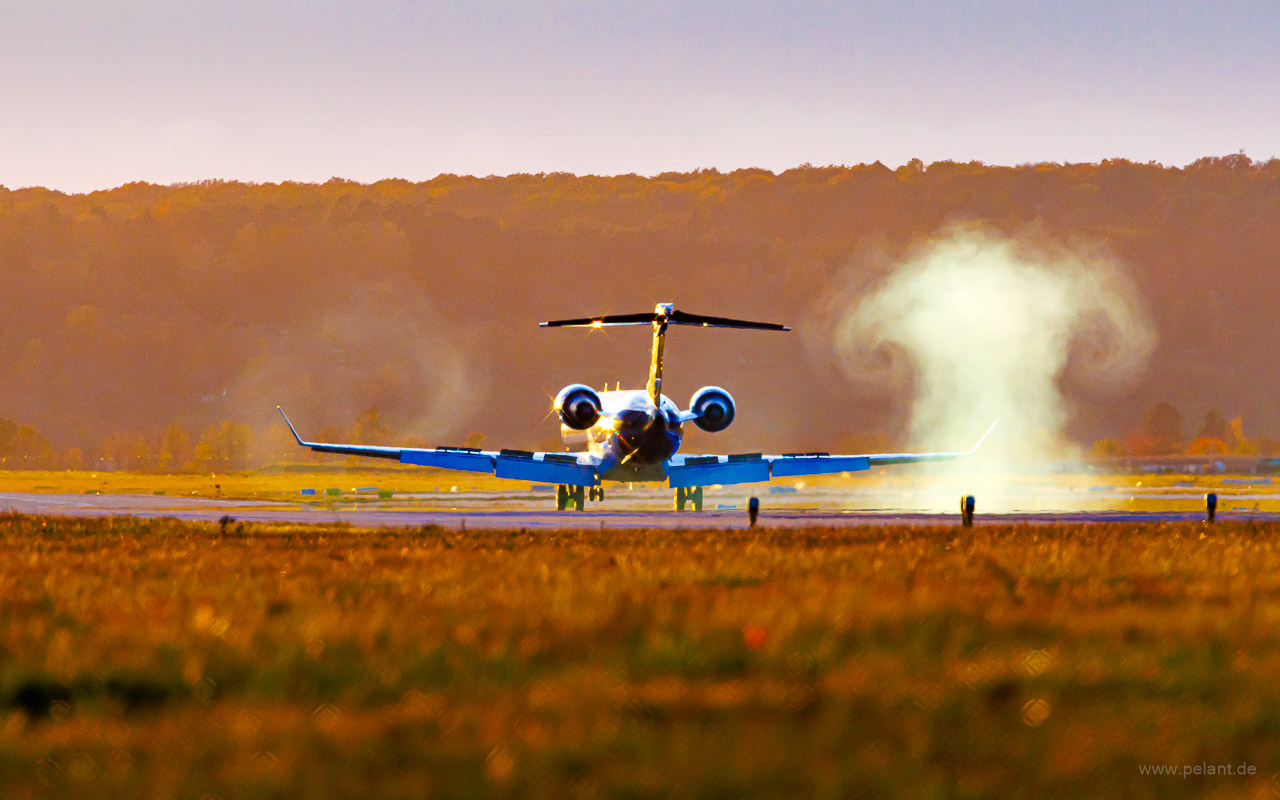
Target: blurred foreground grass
point(164, 659)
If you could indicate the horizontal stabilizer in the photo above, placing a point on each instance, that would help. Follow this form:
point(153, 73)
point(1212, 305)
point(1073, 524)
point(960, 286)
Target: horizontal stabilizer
point(600, 322)
point(667, 316)
point(682, 318)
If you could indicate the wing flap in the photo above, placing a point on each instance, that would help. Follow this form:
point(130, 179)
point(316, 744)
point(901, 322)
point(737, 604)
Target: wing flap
point(722, 472)
point(787, 466)
point(448, 459)
point(532, 469)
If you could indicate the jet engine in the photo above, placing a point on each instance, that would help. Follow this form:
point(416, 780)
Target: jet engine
point(578, 406)
point(714, 407)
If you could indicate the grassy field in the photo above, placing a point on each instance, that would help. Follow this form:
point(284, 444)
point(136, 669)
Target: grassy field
point(159, 659)
point(279, 483)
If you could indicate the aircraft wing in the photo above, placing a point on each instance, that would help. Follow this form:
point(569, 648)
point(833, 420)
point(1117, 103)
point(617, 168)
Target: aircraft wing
point(574, 469)
point(691, 470)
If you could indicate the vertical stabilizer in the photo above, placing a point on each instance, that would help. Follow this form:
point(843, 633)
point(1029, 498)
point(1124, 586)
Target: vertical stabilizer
point(661, 316)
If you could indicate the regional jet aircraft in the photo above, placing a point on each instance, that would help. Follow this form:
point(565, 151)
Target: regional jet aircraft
point(634, 435)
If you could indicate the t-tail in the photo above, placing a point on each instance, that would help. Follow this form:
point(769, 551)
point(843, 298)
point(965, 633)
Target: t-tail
point(663, 314)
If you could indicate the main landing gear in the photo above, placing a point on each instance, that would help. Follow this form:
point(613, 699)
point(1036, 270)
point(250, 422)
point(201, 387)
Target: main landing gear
point(691, 496)
point(577, 496)
point(570, 495)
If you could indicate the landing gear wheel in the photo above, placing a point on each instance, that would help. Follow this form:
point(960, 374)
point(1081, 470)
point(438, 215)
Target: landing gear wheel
point(579, 498)
point(682, 495)
point(695, 497)
point(562, 497)
point(595, 493)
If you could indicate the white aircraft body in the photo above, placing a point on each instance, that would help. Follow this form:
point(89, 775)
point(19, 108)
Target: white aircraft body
point(635, 435)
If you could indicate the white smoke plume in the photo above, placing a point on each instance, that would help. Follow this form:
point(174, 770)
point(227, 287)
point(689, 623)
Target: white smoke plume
point(380, 348)
point(973, 325)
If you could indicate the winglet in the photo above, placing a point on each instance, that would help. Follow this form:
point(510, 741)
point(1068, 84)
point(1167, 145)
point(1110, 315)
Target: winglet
point(980, 441)
point(292, 429)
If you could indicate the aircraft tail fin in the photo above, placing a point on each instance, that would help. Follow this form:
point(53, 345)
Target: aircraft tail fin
point(663, 314)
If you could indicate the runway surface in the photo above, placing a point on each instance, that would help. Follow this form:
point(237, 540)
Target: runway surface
point(369, 515)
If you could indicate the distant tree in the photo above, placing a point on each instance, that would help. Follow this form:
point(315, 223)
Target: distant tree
point(73, 458)
point(141, 456)
point(1140, 443)
point(1108, 448)
point(127, 451)
point(475, 439)
point(369, 429)
point(238, 438)
point(1241, 445)
point(1215, 426)
point(1163, 423)
point(1267, 447)
point(204, 457)
point(113, 451)
point(277, 446)
point(223, 448)
point(175, 449)
point(1207, 446)
point(24, 447)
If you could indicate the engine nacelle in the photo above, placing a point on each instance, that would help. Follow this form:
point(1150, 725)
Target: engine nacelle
point(714, 407)
point(578, 406)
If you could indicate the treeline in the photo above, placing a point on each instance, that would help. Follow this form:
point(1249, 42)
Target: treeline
point(132, 310)
point(1163, 432)
point(227, 446)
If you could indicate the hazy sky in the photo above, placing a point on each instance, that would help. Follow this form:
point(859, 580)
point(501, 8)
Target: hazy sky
point(96, 94)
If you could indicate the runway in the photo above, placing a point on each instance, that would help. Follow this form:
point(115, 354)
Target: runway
point(370, 515)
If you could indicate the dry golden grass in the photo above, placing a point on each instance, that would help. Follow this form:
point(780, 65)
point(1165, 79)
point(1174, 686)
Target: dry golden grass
point(265, 484)
point(157, 658)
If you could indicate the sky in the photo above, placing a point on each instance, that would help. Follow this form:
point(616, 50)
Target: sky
point(94, 95)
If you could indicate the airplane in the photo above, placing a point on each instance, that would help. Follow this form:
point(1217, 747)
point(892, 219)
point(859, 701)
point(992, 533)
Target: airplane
point(635, 435)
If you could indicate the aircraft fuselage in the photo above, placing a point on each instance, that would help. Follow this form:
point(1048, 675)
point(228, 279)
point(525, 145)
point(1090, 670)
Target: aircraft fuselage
point(634, 437)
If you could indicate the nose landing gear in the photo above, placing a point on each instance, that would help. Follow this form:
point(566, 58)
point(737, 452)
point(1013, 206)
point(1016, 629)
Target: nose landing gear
point(691, 496)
